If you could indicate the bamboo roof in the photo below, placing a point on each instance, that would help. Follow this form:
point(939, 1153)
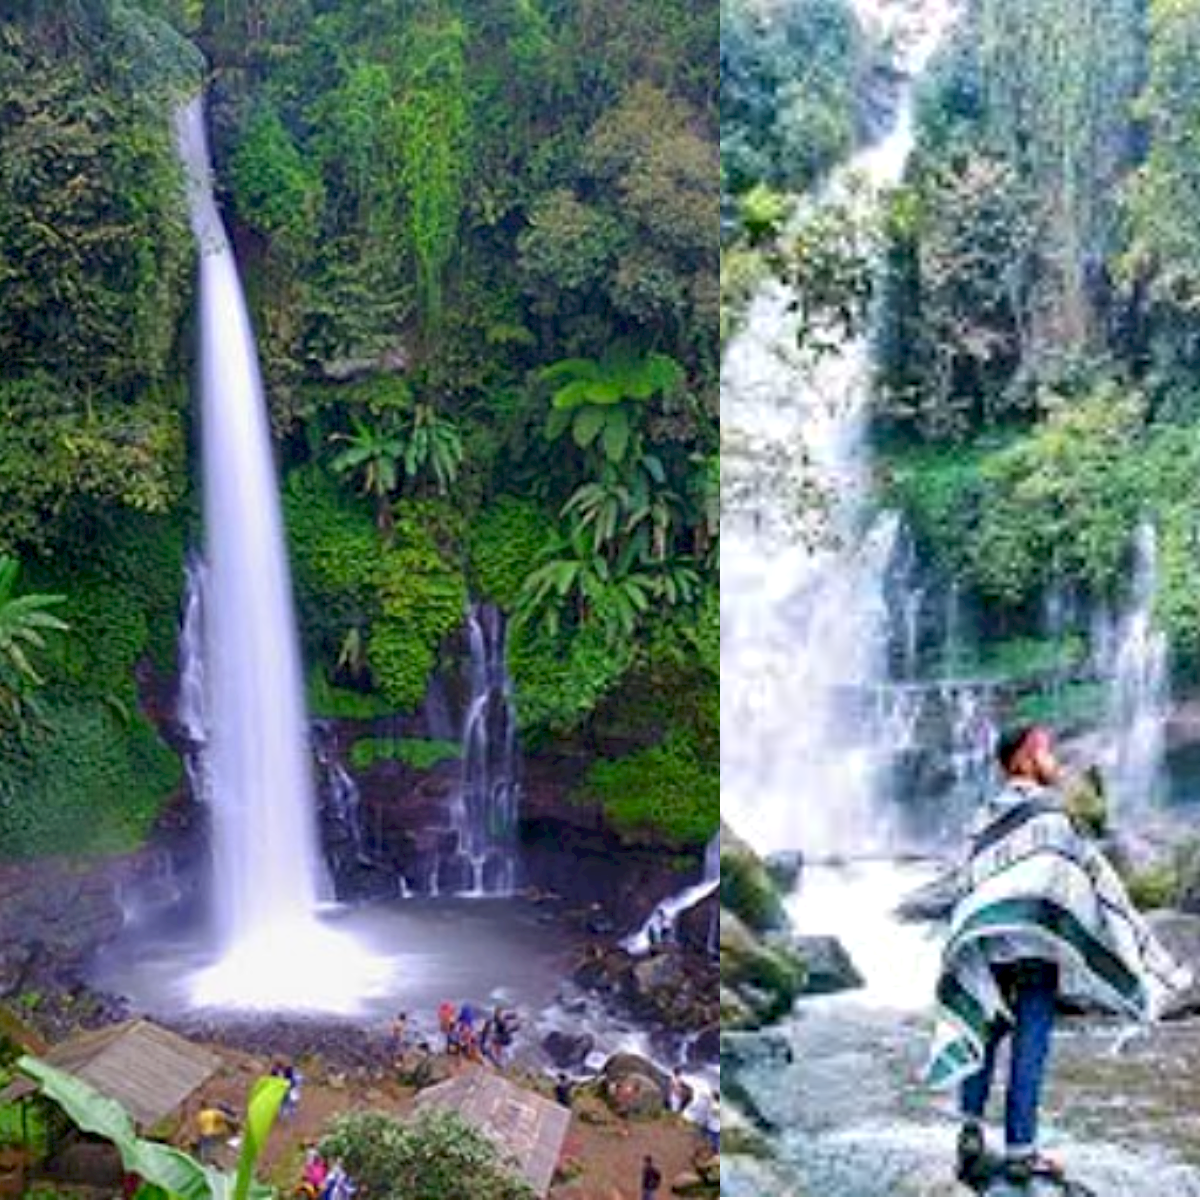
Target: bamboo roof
point(523, 1126)
point(149, 1070)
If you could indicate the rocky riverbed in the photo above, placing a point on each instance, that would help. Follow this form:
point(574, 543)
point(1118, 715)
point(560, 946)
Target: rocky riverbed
point(836, 1098)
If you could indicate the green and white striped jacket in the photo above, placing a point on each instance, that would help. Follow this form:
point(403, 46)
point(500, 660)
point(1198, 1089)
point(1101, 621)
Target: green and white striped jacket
point(1034, 888)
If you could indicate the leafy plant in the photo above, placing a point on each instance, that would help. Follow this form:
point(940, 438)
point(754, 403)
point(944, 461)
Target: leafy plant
point(166, 1171)
point(593, 398)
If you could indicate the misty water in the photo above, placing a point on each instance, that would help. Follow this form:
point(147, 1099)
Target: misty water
point(434, 950)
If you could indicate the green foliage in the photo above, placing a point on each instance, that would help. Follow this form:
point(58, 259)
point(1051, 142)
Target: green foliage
point(24, 622)
point(278, 192)
point(789, 81)
point(748, 891)
point(1163, 196)
point(421, 753)
point(560, 680)
point(437, 1154)
point(1061, 501)
point(89, 779)
point(1019, 658)
point(344, 704)
point(1072, 706)
point(422, 598)
point(665, 789)
point(502, 542)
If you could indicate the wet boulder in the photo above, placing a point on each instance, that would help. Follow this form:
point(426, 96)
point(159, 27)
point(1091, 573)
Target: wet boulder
point(828, 966)
point(568, 1051)
point(933, 901)
point(1179, 933)
point(785, 868)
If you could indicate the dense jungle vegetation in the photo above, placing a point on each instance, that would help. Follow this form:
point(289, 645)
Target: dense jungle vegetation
point(479, 245)
point(1040, 332)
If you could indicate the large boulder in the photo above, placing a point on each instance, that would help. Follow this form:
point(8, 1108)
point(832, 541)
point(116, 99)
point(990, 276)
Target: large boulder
point(634, 1087)
point(568, 1051)
point(828, 966)
point(1179, 933)
point(933, 901)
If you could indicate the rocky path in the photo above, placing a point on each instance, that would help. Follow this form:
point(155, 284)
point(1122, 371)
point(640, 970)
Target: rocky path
point(838, 1091)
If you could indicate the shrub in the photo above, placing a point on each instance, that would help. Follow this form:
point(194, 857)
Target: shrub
point(666, 790)
point(438, 1156)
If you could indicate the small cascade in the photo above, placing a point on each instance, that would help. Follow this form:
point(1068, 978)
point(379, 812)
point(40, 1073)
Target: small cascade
point(660, 925)
point(486, 810)
point(191, 709)
point(1139, 688)
point(341, 804)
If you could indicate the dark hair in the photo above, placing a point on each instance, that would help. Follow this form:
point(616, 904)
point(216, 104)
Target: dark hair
point(1011, 742)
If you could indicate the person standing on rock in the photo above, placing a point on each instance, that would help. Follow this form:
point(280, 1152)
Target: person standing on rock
point(651, 1179)
point(1040, 916)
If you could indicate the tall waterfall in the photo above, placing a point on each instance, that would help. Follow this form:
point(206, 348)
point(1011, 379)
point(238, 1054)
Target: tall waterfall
point(1139, 697)
point(485, 814)
point(809, 732)
point(266, 861)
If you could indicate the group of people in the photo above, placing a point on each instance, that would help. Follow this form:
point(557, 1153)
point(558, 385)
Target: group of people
point(321, 1180)
point(466, 1036)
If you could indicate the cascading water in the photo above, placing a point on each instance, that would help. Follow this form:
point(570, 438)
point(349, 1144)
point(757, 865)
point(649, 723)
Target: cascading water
point(486, 812)
point(806, 723)
point(1139, 694)
point(191, 709)
point(266, 858)
point(812, 733)
point(667, 913)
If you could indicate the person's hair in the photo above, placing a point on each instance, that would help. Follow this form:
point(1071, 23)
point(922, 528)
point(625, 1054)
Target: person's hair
point(1012, 742)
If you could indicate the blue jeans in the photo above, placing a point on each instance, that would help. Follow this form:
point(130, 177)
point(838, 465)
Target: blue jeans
point(1030, 988)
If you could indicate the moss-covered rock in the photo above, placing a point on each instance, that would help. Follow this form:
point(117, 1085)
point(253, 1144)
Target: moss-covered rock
point(747, 889)
point(767, 977)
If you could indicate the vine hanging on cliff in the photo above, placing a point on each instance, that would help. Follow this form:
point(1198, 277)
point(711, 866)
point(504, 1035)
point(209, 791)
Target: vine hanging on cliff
point(433, 121)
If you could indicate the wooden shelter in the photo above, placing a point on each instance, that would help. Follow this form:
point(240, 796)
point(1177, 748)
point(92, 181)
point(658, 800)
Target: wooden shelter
point(523, 1126)
point(148, 1070)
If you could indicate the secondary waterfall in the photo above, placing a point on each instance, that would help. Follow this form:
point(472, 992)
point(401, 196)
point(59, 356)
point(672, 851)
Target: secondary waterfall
point(1139, 695)
point(266, 860)
point(485, 813)
point(662, 921)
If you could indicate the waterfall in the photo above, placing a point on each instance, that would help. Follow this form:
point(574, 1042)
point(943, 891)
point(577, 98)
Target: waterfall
point(266, 859)
point(486, 810)
point(804, 627)
point(1139, 689)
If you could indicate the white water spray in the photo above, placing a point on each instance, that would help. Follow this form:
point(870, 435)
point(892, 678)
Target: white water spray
point(266, 858)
